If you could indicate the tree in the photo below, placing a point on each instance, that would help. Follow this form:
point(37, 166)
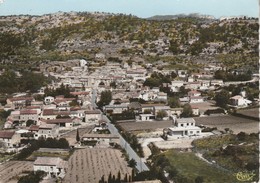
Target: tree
point(222, 98)
point(187, 111)
point(132, 163)
point(77, 136)
point(29, 122)
point(161, 114)
point(199, 179)
point(173, 102)
point(105, 98)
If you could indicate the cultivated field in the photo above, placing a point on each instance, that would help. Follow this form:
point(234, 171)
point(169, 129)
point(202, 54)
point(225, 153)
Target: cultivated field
point(146, 125)
point(250, 112)
point(237, 124)
point(10, 170)
point(71, 136)
point(89, 165)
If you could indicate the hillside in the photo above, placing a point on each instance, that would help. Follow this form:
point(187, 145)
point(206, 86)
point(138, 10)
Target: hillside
point(29, 39)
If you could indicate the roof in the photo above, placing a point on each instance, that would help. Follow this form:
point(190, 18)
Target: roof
point(28, 111)
point(34, 128)
point(185, 120)
point(93, 112)
point(79, 93)
point(6, 134)
point(47, 126)
point(236, 97)
point(20, 98)
point(61, 120)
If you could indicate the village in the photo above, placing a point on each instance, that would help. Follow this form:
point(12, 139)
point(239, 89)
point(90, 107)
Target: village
point(85, 99)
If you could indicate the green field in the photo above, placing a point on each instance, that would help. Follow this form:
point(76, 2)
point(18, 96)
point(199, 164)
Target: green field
point(189, 167)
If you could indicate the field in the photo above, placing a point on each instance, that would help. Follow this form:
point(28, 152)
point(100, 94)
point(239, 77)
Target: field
point(89, 165)
point(250, 112)
point(147, 125)
point(189, 167)
point(236, 124)
point(10, 170)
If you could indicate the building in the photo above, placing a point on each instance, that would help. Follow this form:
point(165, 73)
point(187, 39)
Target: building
point(53, 166)
point(28, 114)
point(45, 131)
point(184, 127)
point(92, 116)
point(239, 101)
point(104, 139)
point(9, 138)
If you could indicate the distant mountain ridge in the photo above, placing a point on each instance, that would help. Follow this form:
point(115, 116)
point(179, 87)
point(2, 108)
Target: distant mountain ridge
point(171, 17)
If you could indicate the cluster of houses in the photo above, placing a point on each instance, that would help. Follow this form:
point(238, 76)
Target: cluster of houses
point(44, 118)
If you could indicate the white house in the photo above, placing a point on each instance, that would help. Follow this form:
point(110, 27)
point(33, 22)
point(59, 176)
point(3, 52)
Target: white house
point(54, 166)
point(184, 127)
point(92, 115)
point(239, 101)
point(198, 99)
point(145, 117)
point(48, 100)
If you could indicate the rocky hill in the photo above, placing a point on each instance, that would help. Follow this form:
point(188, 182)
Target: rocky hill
point(64, 36)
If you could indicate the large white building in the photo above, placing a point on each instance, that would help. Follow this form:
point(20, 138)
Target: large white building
point(184, 127)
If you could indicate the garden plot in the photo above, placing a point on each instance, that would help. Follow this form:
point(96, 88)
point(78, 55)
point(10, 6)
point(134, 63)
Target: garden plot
point(89, 165)
point(11, 170)
point(236, 124)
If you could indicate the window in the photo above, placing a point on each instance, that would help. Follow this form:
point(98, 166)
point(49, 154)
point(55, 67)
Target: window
point(191, 132)
point(191, 123)
point(198, 131)
point(181, 124)
point(188, 124)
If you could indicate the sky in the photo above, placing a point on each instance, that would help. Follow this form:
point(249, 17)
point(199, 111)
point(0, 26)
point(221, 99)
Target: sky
point(140, 8)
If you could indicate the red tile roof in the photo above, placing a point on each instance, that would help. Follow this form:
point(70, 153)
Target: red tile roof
point(6, 134)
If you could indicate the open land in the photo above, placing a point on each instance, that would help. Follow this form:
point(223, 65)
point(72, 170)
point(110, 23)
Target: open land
point(10, 170)
point(234, 123)
point(89, 165)
point(146, 125)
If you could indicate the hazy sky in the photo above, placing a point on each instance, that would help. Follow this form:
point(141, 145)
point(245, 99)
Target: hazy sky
point(141, 8)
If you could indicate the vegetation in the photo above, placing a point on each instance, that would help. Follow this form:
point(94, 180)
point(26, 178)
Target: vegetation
point(105, 98)
point(28, 81)
point(222, 98)
point(236, 153)
point(186, 167)
point(32, 177)
point(157, 79)
point(34, 145)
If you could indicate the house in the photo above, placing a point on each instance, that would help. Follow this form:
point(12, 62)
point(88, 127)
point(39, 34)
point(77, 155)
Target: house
point(100, 138)
point(145, 117)
point(9, 138)
point(45, 131)
point(115, 109)
point(48, 100)
point(53, 166)
point(61, 122)
point(239, 101)
point(27, 114)
point(162, 96)
point(193, 85)
point(198, 99)
point(176, 112)
point(17, 102)
point(194, 93)
point(184, 127)
point(92, 115)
